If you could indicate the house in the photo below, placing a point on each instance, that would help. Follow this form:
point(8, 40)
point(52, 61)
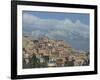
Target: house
point(43, 39)
point(60, 62)
point(43, 52)
point(63, 54)
point(42, 45)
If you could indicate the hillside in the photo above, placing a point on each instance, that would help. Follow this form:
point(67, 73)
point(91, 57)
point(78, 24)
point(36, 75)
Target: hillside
point(47, 51)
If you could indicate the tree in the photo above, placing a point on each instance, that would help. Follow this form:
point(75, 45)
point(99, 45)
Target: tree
point(34, 61)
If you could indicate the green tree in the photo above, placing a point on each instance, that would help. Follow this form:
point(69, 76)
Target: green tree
point(35, 61)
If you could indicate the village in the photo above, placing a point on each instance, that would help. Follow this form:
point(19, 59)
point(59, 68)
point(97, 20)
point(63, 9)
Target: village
point(45, 52)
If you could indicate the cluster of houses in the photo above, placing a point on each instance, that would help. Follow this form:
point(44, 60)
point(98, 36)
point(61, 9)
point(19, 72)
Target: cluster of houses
point(51, 53)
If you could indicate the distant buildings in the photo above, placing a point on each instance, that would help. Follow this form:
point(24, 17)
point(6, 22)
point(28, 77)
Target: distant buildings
point(53, 53)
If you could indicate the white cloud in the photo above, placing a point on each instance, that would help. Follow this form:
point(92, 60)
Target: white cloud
point(53, 26)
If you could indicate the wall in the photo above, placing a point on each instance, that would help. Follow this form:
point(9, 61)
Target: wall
point(5, 30)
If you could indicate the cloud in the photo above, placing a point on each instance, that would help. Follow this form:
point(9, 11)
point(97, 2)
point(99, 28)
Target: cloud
point(54, 27)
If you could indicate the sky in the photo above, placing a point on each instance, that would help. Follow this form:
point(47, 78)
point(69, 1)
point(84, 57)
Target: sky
point(71, 27)
point(60, 16)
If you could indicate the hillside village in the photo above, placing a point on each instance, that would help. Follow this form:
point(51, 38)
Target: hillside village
point(45, 52)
